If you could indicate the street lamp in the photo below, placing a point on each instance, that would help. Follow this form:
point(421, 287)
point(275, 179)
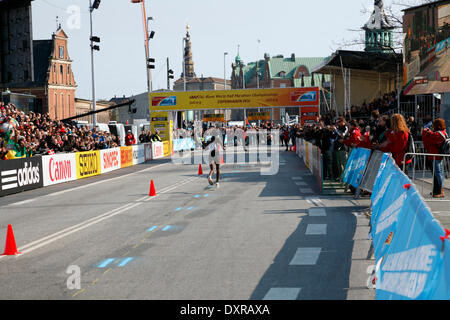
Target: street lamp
point(93, 39)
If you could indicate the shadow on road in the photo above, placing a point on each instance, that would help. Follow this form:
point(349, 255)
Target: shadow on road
point(328, 278)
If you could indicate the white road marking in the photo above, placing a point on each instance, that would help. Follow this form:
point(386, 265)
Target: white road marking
point(20, 203)
point(315, 201)
point(305, 257)
point(316, 229)
point(296, 178)
point(306, 190)
point(103, 181)
point(85, 224)
point(317, 212)
point(282, 294)
point(301, 183)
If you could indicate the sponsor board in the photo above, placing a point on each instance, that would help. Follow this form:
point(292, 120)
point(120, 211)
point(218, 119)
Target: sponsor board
point(20, 175)
point(229, 99)
point(309, 115)
point(138, 154)
point(59, 168)
point(157, 150)
point(148, 151)
point(253, 116)
point(110, 160)
point(88, 164)
point(214, 117)
point(126, 157)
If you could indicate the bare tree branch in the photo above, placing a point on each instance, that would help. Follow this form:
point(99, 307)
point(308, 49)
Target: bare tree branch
point(395, 16)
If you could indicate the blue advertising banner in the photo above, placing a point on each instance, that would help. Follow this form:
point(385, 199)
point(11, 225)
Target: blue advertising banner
point(410, 256)
point(356, 164)
point(183, 144)
point(349, 166)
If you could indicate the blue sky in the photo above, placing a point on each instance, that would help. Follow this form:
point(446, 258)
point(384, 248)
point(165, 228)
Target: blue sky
point(306, 28)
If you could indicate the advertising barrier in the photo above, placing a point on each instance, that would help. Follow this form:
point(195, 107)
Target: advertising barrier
point(312, 157)
point(20, 175)
point(138, 154)
point(148, 151)
point(355, 167)
point(126, 157)
point(410, 255)
point(166, 147)
point(59, 168)
point(410, 248)
point(110, 160)
point(31, 173)
point(88, 164)
point(183, 144)
point(157, 150)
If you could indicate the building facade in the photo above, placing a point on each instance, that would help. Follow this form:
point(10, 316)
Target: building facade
point(41, 68)
point(16, 42)
point(83, 106)
point(276, 72)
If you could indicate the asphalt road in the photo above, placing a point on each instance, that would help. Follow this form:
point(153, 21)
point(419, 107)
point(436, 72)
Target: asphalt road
point(256, 237)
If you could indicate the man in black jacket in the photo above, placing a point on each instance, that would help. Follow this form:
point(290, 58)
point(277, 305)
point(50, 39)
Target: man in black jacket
point(340, 150)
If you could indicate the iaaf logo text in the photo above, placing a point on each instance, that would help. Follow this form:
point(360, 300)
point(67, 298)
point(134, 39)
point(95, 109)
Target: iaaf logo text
point(20, 177)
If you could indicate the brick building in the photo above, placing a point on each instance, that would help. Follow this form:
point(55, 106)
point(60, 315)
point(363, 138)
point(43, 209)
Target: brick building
point(42, 68)
point(54, 82)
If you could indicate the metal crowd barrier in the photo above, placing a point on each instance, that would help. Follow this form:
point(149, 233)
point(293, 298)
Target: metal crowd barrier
point(422, 170)
point(370, 174)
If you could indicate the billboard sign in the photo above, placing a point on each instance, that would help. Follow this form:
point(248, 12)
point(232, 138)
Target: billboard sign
point(20, 175)
point(110, 159)
point(59, 168)
point(231, 99)
point(426, 48)
point(88, 164)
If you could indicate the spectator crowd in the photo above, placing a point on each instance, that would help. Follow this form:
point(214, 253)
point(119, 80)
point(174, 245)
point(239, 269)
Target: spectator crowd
point(26, 135)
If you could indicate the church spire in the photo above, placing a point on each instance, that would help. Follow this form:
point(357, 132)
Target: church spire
point(379, 35)
point(188, 61)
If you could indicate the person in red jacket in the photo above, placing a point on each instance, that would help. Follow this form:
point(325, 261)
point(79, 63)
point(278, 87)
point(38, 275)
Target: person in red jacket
point(432, 141)
point(130, 139)
point(354, 139)
point(397, 139)
point(366, 139)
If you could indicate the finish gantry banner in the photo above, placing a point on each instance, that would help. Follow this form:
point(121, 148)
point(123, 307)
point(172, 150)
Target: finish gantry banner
point(233, 99)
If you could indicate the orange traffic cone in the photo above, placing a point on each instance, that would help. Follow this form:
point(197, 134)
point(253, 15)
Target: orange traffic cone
point(10, 247)
point(152, 192)
point(200, 170)
point(295, 148)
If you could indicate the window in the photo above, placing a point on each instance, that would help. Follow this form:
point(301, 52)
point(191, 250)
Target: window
point(61, 52)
